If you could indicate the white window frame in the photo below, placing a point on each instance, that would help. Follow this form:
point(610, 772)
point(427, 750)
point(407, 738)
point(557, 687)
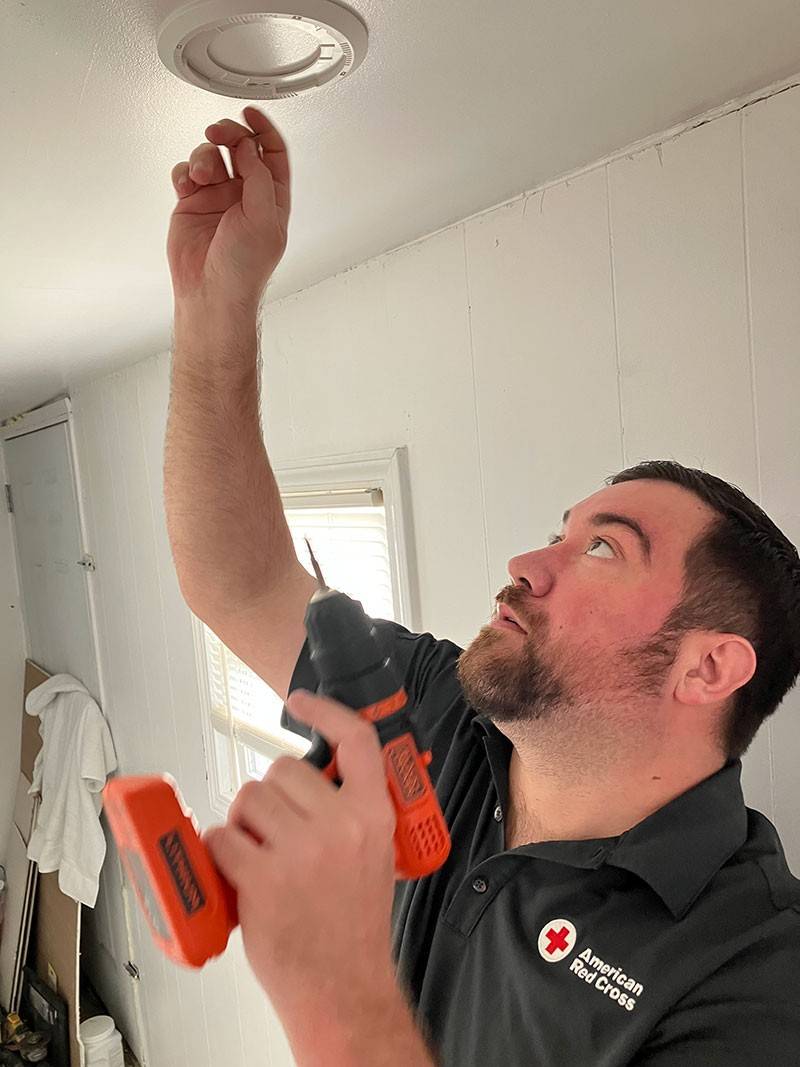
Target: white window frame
point(384, 469)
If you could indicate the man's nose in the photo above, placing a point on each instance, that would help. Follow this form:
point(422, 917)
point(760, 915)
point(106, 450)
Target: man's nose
point(532, 570)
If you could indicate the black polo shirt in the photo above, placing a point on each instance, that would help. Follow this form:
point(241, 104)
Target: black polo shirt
point(674, 944)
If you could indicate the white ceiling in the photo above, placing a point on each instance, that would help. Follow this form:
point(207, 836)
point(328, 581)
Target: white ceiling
point(459, 105)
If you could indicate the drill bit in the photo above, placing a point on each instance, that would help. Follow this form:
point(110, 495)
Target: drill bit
point(315, 565)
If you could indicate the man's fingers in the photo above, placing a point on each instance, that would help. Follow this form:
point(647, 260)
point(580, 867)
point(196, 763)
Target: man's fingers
point(269, 167)
point(229, 133)
point(266, 809)
point(206, 165)
point(182, 183)
point(273, 148)
point(234, 852)
point(359, 758)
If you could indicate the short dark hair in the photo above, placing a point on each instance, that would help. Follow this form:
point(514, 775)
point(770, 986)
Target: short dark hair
point(742, 576)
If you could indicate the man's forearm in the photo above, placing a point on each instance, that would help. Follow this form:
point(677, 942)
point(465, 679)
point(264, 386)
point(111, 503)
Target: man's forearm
point(380, 1032)
point(229, 536)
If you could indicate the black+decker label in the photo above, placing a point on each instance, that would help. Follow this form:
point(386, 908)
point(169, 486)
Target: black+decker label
point(406, 772)
point(183, 876)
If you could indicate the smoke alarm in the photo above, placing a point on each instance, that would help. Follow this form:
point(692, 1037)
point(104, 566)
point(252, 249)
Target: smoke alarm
point(226, 47)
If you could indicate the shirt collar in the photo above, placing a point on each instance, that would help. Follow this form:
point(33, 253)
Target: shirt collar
point(677, 850)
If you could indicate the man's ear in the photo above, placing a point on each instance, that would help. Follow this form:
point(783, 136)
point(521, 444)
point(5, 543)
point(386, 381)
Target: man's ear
point(719, 664)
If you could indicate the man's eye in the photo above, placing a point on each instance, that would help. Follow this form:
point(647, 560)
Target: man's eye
point(555, 538)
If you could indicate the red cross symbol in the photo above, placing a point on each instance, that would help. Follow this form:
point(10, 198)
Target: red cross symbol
point(558, 941)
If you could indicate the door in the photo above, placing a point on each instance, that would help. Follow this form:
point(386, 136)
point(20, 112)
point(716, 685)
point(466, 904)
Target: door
point(55, 596)
point(55, 579)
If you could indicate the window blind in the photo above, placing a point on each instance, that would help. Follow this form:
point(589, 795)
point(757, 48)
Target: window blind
point(347, 532)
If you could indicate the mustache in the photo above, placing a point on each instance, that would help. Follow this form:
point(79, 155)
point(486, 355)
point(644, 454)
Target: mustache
point(520, 603)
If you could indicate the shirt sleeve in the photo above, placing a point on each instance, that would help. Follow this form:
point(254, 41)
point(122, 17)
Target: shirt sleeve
point(422, 662)
point(747, 1012)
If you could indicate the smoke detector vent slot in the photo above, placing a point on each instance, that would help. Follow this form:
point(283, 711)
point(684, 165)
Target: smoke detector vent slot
point(224, 47)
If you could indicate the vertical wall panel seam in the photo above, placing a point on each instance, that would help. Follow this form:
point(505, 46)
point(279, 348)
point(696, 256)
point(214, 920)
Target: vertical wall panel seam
point(82, 453)
point(612, 268)
point(139, 370)
point(117, 396)
point(100, 422)
point(159, 586)
point(237, 995)
point(754, 389)
point(116, 515)
point(477, 423)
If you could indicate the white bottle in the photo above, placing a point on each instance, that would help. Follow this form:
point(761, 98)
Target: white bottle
point(102, 1042)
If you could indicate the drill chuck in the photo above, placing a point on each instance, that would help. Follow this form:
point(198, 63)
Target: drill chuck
point(346, 651)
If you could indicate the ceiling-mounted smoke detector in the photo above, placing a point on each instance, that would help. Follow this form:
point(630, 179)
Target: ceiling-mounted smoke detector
point(226, 47)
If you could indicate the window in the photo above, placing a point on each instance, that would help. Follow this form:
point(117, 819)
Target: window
point(353, 512)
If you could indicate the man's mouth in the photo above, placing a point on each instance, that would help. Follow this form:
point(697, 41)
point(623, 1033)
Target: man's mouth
point(506, 615)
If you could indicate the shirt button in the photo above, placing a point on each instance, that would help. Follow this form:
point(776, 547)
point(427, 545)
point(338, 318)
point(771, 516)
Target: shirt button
point(479, 885)
point(498, 813)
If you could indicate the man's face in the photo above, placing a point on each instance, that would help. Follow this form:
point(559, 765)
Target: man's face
point(592, 606)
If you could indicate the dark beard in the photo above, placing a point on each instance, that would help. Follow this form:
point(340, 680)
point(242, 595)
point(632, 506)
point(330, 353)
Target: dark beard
point(507, 684)
point(506, 679)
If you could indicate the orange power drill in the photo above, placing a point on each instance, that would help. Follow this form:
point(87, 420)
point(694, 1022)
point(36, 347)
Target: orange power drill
point(190, 908)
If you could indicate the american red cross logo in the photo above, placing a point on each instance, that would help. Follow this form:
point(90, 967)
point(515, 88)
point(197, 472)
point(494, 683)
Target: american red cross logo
point(556, 940)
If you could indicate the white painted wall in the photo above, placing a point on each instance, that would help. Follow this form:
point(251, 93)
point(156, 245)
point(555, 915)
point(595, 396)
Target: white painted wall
point(12, 666)
point(644, 309)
